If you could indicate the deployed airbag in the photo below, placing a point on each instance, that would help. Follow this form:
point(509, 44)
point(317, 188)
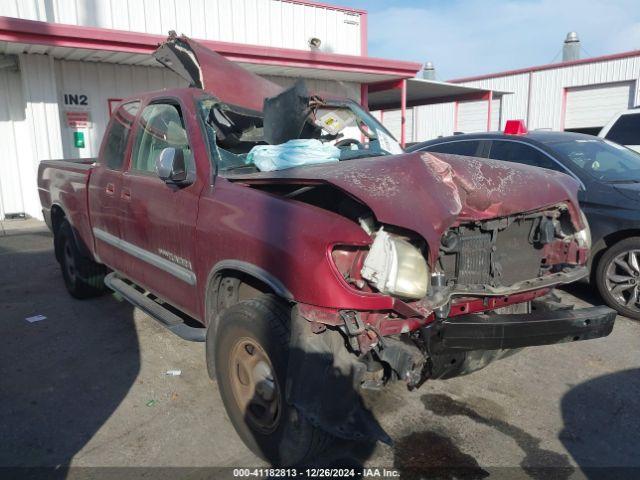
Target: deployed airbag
point(294, 153)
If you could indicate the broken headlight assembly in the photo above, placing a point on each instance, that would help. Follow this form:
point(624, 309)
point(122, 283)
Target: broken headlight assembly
point(583, 237)
point(396, 267)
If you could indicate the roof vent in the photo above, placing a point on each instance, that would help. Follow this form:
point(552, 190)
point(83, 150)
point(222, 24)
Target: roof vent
point(429, 71)
point(571, 47)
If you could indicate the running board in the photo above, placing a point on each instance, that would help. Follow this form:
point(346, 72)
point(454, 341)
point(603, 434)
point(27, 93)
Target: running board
point(167, 319)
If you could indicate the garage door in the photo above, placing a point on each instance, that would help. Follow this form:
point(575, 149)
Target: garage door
point(593, 106)
point(472, 116)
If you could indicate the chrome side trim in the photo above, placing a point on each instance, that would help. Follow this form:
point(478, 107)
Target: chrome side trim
point(157, 261)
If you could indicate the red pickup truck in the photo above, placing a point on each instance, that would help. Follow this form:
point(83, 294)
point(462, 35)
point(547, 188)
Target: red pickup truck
point(313, 282)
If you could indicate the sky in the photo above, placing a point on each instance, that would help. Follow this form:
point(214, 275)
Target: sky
point(471, 37)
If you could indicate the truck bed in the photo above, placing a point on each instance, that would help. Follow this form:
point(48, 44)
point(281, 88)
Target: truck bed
point(64, 183)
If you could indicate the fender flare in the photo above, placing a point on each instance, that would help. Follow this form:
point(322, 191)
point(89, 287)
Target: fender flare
point(84, 250)
point(213, 278)
point(252, 270)
point(247, 268)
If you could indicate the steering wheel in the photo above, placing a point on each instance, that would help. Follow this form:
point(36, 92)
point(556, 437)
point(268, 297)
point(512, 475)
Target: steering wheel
point(345, 142)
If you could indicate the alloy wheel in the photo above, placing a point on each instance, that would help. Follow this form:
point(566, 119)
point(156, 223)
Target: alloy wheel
point(622, 278)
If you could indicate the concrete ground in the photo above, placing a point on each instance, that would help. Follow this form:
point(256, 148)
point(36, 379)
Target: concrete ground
point(87, 387)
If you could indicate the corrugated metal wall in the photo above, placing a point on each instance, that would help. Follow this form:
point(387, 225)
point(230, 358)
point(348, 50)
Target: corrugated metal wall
point(101, 82)
point(391, 120)
point(32, 119)
point(433, 121)
point(274, 23)
point(513, 106)
point(32, 115)
point(13, 139)
point(545, 109)
point(547, 87)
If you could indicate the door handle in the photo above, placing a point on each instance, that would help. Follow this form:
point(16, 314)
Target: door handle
point(125, 194)
point(111, 188)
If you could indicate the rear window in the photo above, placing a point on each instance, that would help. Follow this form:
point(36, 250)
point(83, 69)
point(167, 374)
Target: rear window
point(626, 130)
point(462, 147)
point(118, 135)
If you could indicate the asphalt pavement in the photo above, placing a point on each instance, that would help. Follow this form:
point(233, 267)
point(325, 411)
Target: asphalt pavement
point(87, 387)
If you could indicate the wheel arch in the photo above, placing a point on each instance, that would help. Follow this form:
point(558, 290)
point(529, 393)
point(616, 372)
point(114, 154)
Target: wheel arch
point(58, 216)
point(606, 242)
point(258, 280)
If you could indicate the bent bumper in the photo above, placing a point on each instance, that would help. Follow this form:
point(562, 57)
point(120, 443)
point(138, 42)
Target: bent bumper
point(497, 332)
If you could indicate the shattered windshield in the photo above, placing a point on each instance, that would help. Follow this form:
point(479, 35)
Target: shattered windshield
point(341, 129)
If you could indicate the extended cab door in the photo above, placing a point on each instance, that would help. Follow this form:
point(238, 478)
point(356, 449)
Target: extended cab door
point(105, 185)
point(158, 227)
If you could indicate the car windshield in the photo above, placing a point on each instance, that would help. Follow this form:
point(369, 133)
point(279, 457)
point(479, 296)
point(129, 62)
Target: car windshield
point(232, 134)
point(602, 159)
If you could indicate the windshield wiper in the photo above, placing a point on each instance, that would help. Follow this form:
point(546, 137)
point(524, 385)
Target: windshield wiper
point(626, 180)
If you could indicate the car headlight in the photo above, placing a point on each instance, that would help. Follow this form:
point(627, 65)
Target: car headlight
point(584, 236)
point(396, 267)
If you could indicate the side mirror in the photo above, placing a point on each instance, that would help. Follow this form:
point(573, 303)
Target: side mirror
point(171, 167)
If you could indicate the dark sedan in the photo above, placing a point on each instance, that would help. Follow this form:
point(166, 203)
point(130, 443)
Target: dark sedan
point(609, 178)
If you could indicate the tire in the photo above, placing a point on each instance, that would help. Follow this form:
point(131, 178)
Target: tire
point(82, 276)
point(249, 334)
point(617, 268)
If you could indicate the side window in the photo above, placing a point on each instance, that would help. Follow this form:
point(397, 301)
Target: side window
point(118, 134)
point(464, 147)
point(626, 130)
point(520, 153)
point(161, 126)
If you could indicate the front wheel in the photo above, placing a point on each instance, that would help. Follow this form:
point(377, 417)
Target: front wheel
point(618, 277)
point(251, 357)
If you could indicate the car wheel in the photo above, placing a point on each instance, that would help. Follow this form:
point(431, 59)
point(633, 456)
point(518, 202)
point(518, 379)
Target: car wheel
point(251, 356)
point(618, 277)
point(82, 276)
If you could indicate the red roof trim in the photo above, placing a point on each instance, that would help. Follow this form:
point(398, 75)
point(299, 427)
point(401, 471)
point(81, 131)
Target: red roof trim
point(73, 36)
point(549, 66)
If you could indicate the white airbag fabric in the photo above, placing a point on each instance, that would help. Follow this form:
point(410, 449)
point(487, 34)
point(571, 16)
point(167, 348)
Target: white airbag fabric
point(294, 153)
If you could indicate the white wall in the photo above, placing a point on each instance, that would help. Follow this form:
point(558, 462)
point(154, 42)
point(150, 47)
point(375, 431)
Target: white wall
point(514, 105)
point(547, 87)
point(544, 110)
point(101, 82)
point(32, 120)
point(14, 139)
point(433, 121)
point(274, 23)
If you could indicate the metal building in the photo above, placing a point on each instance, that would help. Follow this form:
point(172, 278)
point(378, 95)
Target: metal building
point(579, 95)
point(64, 64)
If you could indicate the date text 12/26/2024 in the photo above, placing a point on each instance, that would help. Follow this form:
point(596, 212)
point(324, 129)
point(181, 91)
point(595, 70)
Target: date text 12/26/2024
point(316, 473)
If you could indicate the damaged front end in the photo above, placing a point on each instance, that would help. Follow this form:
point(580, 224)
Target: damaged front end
point(487, 295)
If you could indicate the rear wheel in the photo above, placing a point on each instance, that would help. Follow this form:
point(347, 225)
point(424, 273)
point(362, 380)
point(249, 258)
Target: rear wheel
point(618, 277)
point(251, 357)
point(82, 276)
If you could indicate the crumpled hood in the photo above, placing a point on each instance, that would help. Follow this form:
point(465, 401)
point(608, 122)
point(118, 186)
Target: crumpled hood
point(428, 193)
point(203, 68)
